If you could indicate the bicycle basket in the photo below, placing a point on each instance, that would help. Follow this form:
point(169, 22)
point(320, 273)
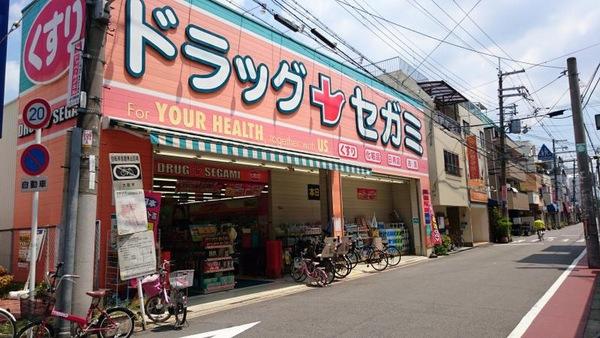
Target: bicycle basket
point(37, 309)
point(151, 285)
point(181, 279)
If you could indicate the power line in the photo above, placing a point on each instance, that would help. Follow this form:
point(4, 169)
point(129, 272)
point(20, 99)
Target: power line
point(391, 38)
point(444, 39)
point(539, 64)
point(349, 59)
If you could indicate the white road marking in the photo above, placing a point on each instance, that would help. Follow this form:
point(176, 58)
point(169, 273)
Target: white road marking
point(526, 321)
point(565, 240)
point(580, 240)
point(534, 240)
point(520, 241)
point(224, 333)
point(550, 239)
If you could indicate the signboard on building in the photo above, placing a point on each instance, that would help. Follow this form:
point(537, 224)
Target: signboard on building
point(473, 157)
point(366, 194)
point(170, 168)
point(314, 192)
point(477, 191)
point(252, 85)
point(137, 255)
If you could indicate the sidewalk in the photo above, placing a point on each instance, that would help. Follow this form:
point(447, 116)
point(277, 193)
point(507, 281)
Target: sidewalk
point(207, 304)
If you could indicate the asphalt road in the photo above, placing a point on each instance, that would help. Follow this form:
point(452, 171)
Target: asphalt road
point(483, 292)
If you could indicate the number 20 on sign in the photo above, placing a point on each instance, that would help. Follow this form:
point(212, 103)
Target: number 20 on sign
point(36, 114)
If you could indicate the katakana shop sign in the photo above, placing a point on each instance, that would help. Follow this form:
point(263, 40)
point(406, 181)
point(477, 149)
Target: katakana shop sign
point(191, 67)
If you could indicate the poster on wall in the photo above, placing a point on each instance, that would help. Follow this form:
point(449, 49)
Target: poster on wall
point(153, 209)
point(137, 255)
point(366, 194)
point(24, 242)
point(130, 207)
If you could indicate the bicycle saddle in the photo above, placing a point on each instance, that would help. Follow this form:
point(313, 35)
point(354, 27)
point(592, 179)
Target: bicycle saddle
point(96, 293)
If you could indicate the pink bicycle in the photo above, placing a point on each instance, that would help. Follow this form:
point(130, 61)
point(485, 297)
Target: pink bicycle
point(167, 296)
point(112, 322)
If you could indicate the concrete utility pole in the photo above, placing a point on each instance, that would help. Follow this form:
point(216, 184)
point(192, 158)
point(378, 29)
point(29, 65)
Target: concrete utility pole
point(555, 170)
point(587, 202)
point(89, 121)
point(501, 96)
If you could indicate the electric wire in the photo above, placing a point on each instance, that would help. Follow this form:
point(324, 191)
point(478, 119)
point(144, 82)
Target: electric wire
point(349, 59)
point(480, 98)
point(534, 64)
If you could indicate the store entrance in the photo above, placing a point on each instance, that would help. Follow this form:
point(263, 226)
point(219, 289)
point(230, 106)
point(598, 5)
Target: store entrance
point(381, 207)
point(213, 219)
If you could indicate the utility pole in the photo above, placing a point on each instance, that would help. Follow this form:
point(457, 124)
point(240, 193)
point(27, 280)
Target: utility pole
point(89, 121)
point(589, 219)
point(501, 96)
point(556, 194)
point(573, 200)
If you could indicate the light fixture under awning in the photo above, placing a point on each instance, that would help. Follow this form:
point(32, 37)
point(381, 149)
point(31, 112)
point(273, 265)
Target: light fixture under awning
point(202, 144)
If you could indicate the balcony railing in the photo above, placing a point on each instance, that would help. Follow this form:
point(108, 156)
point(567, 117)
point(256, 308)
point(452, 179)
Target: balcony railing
point(447, 122)
point(518, 201)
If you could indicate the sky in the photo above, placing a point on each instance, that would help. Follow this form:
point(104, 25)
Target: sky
point(533, 31)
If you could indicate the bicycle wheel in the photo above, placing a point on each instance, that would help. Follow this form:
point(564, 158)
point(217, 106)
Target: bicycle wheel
point(320, 276)
point(353, 258)
point(180, 308)
point(36, 329)
point(393, 255)
point(341, 267)
point(349, 264)
point(7, 325)
point(378, 260)
point(118, 322)
point(296, 270)
point(157, 309)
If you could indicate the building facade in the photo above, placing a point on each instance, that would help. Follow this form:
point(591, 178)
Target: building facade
point(8, 149)
point(236, 128)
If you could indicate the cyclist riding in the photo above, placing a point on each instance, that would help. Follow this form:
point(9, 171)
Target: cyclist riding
point(540, 228)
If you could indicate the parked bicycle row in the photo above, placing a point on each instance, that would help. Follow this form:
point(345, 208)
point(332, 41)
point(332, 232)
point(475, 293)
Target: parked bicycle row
point(321, 261)
point(165, 293)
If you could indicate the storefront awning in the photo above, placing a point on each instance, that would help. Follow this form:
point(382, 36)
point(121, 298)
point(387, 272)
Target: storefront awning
point(214, 146)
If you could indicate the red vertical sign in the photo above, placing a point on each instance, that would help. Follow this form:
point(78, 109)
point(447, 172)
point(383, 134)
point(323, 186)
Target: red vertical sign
point(472, 156)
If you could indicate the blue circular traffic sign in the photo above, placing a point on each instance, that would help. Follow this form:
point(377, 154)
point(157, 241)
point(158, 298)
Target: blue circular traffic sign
point(35, 159)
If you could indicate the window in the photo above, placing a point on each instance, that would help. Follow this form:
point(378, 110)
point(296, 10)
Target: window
point(466, 128)
point(451, 163)
point(482, 139)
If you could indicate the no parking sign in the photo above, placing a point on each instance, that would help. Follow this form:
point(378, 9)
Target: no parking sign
point(35, 159)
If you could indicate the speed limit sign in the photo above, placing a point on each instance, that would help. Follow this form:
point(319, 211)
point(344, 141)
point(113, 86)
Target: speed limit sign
point(37, 114)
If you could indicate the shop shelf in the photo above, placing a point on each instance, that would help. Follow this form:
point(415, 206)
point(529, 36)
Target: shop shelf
point(217, 288)
point(220, 270)
point(212, 259)
point(217, 246)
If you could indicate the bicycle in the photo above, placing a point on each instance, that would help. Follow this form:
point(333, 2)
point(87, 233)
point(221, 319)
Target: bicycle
point(303, 268)
point(168, 297)
point(368, 254)
point(7, 324)
point(393, 254)
point(540, 233)
point(111, 322)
